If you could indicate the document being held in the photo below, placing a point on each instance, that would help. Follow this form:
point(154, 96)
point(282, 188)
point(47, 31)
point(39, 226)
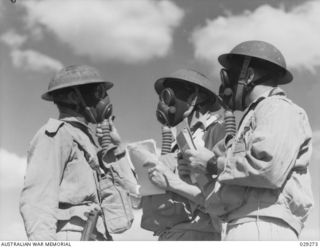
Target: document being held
point(140, 153)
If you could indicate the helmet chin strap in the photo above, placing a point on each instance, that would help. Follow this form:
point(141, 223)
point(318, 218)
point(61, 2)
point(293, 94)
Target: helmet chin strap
point(243, 86)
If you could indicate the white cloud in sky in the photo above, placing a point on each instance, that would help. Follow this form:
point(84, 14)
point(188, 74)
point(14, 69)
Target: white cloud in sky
point(12, 169)
point(34, 61)
point(27, 59)
point(294, 32)
point(130, 31)
point(13, 39)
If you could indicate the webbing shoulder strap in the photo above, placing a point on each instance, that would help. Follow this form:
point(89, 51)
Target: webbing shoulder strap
point(96, 174)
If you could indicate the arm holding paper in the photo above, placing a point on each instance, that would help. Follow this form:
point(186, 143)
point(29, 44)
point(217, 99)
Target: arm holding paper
point(143, 156)
point(156, 175)
point(164, 172)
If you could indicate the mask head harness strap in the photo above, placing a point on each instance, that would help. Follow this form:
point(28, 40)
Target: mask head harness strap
point(97, 106)
point(87, 110)
point(242, 86)
point(192, 101)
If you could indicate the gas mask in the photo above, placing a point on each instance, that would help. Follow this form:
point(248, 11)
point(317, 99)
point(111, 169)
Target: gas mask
point(234, 86)
point(95, 101)
point(172, 110)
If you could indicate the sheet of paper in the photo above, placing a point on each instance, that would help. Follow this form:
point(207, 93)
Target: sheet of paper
point(140, 153)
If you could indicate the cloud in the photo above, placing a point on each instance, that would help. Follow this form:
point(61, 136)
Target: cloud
point(12, 169)
point(33, 60)
point(294, 32)
point(27, 59)
point(13, 39)
point(129, 31)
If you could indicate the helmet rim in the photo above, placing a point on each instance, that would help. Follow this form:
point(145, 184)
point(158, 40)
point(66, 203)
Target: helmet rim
point(189, 76)
point(262, 51)
point(72, 76)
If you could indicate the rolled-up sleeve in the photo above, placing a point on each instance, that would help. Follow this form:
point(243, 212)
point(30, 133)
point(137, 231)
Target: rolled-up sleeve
point(267, 152)
point(39, 200)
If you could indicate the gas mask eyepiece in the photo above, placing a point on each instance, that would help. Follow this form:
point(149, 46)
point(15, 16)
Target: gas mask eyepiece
point(226, 87)
point(166, 109)
point(167, 96)
point(171, 109)
point(103, 109)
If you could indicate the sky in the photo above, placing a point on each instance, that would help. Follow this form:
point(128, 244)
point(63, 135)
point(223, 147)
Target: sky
point(132, 43)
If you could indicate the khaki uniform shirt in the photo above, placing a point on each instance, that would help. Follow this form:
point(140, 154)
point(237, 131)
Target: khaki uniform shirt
point(59, 186)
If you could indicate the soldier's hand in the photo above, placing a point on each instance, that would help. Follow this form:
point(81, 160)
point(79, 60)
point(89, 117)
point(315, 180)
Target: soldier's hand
point(160, 175)
point(198, 159)
point(115, 137)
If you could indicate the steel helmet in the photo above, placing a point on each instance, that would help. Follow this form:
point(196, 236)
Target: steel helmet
point(189, 76)
point(74, 75)
point(259, 50)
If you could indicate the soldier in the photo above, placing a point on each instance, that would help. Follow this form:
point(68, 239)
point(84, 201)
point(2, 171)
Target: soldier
point(179, 213)
point(64, 182)
point(265, 186)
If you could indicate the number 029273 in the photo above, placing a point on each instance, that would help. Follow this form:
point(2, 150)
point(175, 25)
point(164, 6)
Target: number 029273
point(309, 243)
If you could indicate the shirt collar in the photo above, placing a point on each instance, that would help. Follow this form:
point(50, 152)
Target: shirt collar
point(265, 94)
point(203, 121)
point(79, 121)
